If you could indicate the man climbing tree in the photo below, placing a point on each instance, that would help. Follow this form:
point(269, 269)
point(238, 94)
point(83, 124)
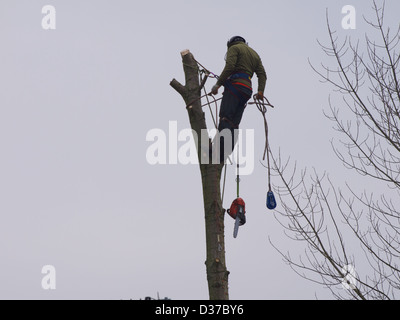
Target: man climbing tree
point(241, 64)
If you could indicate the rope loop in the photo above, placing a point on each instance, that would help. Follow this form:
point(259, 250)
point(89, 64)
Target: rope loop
point(261, 104)
point(262, 107)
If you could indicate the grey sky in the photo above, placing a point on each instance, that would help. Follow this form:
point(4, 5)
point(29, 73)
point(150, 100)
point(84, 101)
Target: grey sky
point(76, 104)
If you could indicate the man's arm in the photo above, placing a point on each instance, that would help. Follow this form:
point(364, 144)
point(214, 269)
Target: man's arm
point(231, 59)
point(262, 79)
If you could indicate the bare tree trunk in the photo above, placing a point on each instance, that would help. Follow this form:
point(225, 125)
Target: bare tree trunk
point(217, 274)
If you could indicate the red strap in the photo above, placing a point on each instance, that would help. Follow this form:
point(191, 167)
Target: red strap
point(242, 84)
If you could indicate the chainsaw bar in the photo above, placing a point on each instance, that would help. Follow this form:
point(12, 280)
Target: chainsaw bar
point(236, 228)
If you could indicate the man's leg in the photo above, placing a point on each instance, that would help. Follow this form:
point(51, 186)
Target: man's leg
point(231, 112)
point(229, 105)
point(245, 95)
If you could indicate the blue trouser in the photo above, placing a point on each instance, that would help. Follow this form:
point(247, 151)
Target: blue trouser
point(233, 104)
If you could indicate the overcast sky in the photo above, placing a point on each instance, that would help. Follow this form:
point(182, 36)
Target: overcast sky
point(76, 104)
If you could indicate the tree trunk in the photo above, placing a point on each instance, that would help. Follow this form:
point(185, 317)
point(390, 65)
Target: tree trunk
point(217, 274)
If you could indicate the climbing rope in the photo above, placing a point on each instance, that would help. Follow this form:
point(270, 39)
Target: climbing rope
point(261, 104)
point(262, 107)
point(207, 71)
point(237, 172)
point(204, 74)
point(208, 96)
point(207, 74)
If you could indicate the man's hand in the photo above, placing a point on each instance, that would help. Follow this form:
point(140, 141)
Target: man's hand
point(214, 89)
point(260, 96)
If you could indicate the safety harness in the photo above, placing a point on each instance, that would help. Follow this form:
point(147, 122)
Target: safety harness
point(232, 82)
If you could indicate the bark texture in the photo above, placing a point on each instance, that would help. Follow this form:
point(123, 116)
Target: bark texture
point(217, 274)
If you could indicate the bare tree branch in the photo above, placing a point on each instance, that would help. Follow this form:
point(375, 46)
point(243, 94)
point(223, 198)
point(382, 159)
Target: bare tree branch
point(315, 211)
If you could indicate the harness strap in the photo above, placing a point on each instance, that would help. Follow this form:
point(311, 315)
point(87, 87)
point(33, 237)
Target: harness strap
point(241, 96)
point(240, 75)
point(242, 84)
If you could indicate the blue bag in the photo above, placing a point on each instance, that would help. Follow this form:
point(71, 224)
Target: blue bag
point(271, 203)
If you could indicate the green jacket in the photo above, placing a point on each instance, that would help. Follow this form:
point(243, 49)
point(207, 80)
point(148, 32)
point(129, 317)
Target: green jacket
point(241, 58)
